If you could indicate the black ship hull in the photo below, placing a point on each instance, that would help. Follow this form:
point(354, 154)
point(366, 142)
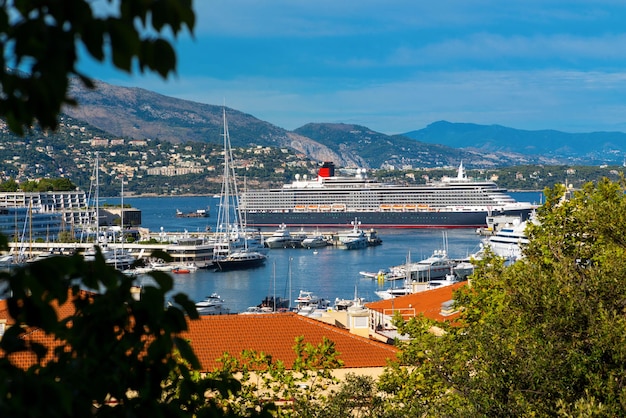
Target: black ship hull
point(423, 219)
point(228, 265)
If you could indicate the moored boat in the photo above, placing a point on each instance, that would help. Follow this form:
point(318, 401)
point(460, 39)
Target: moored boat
point(436, 266)
point(314, 241)
point(353, 239)
point(510, 240)
point(199, 213)
point(283, 238)
point(242, 259)
point(231, 250)
point(309, 304)
point(212, 305)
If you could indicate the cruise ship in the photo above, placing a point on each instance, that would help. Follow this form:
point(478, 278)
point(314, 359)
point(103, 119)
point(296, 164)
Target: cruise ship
point(331, 201)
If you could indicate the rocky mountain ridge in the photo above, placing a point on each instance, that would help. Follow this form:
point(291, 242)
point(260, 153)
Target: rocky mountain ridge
point(139, 113)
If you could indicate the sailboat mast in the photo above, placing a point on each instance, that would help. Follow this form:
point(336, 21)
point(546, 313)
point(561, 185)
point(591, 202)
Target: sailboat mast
point(226, 192)
point(97, 196)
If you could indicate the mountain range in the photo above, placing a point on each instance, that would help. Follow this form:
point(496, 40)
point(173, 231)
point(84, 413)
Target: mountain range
point(138, 113)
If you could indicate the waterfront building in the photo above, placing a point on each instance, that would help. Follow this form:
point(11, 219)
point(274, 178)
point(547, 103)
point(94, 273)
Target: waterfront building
point(71, 205)
point(27, 224)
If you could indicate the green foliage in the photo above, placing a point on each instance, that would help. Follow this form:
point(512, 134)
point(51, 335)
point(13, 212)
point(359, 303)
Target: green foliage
point(9, 186)
point(542, 337)
point(112, 346)
point(43, 185)
point(41, 42)
point(267, 385)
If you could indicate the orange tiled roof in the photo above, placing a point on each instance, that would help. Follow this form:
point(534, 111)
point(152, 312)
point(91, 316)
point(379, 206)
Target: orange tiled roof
point(275, 334)
point(25, 359)
point(427, 302)
point(272, 334)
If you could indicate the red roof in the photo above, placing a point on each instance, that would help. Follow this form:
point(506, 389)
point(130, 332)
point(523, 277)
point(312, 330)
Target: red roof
point(427, 302)
point(274, 335)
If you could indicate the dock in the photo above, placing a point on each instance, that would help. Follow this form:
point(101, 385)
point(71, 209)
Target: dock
point(194, 248)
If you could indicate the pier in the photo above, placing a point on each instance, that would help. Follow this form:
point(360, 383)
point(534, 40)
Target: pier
point(194, 248)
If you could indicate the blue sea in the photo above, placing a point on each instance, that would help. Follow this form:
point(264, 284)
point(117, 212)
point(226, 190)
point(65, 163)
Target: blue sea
point(331, 273)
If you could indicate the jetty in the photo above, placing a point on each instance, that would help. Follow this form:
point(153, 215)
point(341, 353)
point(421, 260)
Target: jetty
point(196, 248)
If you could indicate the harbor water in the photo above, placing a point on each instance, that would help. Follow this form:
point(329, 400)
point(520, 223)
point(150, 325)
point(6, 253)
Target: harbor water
point(328, 272)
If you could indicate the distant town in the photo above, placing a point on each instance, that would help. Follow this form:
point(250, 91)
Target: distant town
point(154, 167)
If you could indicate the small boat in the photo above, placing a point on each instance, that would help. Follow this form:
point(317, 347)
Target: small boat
point(434, 267)
point(119, 258)
point(353, 239)
point(463, 269)
point(282, 238)
point(271, 304)
point(349, 304)
point(184, 268)
point(394, 292)
point(308, 304)
point(446, 281)
point(315, 241)
point(381, 275)
point(372, 238)
point(212, 305)
point(242, 259)
point(199, 213)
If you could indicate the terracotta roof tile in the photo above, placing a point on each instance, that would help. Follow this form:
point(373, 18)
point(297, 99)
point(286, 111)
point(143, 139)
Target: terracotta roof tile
point(274, 335)
point(427, 302)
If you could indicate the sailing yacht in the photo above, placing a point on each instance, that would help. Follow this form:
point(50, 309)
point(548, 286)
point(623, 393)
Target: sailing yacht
point(231, 251)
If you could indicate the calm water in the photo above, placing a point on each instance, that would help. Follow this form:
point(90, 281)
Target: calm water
point(330, 273)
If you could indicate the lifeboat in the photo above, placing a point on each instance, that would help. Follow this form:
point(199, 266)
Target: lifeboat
point(398, 207)
point(409, 207)
point(300, 208)
point(385, 207)
point(313, 208)
point(324, 208)
point(338, 207)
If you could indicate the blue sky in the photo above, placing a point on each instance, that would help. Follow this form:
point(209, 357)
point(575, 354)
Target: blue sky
point(399, 65)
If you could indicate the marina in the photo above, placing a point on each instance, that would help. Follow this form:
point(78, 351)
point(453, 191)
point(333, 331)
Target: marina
point(327, 271)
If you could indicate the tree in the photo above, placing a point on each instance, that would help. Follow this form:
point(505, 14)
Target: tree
point(9, 186)
point(112, 346)
point(543, 337)
point(41, 40)
point(269, 386)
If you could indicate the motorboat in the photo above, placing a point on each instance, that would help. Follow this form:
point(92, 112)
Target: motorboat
point(212, 305)
point(353, 239)
point(184, 268)
point(415, 287)
point(394, 292)
point(436, 266)
point(308, 304)
point(510, 240)
point(282, 238)
point(463, 269)
point(242, 259)
point(314, 241)
point(118, 258)
point(448, 280)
